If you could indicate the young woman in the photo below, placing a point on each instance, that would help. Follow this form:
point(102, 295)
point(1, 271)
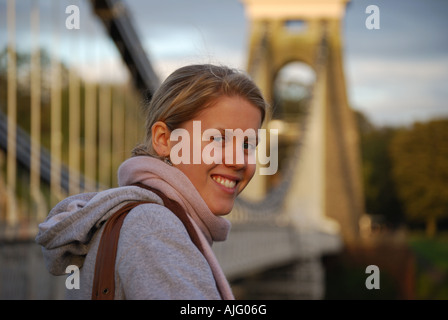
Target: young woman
point(156, 257)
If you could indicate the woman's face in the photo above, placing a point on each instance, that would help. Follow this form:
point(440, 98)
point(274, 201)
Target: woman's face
point(220, 182)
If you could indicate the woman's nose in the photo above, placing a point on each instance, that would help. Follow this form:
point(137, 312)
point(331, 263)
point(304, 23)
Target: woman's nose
point(234, 155)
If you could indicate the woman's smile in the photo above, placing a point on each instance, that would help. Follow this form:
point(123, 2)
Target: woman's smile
point(228, 184)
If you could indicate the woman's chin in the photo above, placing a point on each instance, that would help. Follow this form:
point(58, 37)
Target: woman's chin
point(221, 210)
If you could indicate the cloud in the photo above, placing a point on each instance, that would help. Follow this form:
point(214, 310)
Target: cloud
point(397, 91)
point(175, 33)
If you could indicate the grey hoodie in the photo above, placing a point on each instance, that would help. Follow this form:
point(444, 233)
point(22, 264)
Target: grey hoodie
point(156, 258)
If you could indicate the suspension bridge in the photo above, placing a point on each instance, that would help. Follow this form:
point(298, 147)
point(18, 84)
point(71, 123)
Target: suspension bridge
point(281, 225)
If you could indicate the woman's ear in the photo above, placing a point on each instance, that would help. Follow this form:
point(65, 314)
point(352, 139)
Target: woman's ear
point(161, 138)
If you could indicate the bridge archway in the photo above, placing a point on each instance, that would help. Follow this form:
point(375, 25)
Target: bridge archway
point(292, 90)
point(309, 31)
point(293, 85)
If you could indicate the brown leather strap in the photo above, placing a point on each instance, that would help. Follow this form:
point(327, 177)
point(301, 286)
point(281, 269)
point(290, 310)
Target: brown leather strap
point(104, 277)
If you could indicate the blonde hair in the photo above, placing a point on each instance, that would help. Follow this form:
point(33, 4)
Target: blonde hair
point(191, 89)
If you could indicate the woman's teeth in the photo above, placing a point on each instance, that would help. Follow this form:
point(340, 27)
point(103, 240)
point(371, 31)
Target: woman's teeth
point(225, 182)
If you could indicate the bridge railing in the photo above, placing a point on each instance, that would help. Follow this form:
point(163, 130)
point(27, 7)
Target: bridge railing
point(70, 111)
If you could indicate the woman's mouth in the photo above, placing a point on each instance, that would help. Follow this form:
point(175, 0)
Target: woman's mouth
point(225, 182)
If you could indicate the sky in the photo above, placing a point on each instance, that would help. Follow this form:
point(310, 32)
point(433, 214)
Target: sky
point(395, 75)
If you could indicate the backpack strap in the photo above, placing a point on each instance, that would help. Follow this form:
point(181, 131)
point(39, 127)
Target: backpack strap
point(104, 277)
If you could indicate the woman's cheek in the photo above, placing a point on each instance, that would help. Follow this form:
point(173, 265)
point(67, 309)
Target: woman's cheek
point(251, 170)
point(248, 175)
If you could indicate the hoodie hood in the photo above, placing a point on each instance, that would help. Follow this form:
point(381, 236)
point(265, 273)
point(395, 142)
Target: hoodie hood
point(66, 233)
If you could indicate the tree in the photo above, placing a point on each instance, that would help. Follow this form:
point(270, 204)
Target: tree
point(379, 187)
point(420, 169)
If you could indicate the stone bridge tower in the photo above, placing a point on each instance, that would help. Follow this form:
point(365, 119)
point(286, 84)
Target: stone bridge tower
point(327, 186)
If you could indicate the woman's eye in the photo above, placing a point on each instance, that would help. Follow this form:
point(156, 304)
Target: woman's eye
point(249, 146)
point(218, 139)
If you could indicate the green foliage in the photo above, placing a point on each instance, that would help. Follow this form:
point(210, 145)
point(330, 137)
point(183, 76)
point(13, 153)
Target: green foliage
point(405, 171)
point(420, 157)
point(379, 187)
point(432, 266)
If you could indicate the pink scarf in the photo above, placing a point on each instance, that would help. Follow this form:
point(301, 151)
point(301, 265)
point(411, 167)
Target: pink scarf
point(176, 186)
